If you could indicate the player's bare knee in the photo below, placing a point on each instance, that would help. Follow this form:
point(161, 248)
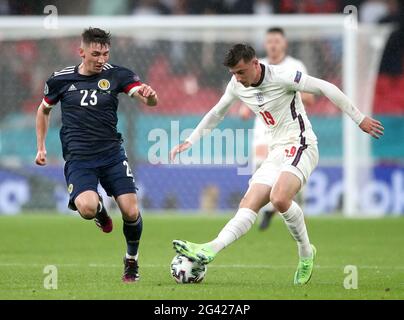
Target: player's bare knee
point(131, 216)
point(280, 202)
point(131, 213)
point(87, 210)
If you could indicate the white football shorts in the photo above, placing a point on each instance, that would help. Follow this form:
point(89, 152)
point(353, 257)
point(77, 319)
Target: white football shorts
point(298, 159)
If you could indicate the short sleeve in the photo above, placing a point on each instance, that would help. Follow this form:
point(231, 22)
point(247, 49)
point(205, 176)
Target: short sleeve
point(292, 79)
point(129, 82)
point(51, 93)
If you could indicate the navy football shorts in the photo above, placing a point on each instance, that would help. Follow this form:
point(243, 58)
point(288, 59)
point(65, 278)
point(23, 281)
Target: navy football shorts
point(112, 172)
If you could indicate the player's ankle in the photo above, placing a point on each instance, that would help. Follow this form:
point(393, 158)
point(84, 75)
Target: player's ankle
point(216, 245)
point(305, 251)
point(132, 257)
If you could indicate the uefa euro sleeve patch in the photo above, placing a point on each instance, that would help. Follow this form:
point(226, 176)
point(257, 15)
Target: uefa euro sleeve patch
point(298, 77)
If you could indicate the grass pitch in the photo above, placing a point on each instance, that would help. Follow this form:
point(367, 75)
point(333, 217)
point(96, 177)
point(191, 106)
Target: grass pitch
point(261, 265)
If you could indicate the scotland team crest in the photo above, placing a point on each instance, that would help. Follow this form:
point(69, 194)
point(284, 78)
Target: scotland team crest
point(70, 188)
point(104, 84)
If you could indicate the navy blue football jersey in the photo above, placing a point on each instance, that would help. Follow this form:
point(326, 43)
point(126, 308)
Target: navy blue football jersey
point(89, 108)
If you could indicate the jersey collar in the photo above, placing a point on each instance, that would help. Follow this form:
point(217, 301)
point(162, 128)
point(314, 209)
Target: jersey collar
point(76, 70)
point(261, 78)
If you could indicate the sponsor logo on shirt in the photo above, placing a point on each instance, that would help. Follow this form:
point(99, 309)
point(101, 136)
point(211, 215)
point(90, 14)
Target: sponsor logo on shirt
point(72, 88)
point(298, 77)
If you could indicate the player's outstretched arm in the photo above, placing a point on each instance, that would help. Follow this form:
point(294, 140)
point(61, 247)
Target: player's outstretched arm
point(178, 149)
point(209, 122)
point(332, 92)
point(146, 94)
point(42, 124)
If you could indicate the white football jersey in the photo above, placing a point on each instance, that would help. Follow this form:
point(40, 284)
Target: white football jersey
point(260, 129)
point(288, 62)
point(276, 101)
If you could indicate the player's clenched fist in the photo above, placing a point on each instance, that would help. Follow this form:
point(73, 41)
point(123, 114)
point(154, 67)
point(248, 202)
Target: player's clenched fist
point(147, 95)
point(178, 149)
point(146, 91)
point(40, 159)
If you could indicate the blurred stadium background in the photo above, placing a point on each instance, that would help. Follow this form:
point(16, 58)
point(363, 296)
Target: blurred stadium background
point(177, 47)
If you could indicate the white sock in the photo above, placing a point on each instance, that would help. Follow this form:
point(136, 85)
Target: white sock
point(128, 256)
point(268, 207)
point(234, 229)
point(294, 220)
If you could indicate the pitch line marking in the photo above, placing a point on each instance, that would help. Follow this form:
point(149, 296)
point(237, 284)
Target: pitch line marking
point(241, 266)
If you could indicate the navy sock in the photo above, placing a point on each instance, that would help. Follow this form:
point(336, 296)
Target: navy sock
point(132, 231)
point(102, 214)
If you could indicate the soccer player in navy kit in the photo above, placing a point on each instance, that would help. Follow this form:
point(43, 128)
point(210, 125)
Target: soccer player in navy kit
point(92, 146)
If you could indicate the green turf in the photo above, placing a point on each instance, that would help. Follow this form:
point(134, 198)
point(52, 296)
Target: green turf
point(259, 266)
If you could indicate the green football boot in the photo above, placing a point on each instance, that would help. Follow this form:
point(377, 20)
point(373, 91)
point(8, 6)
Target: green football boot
point(201, 253)
point(305, 269)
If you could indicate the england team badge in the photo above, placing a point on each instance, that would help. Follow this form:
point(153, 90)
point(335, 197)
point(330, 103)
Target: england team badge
point(260, 97)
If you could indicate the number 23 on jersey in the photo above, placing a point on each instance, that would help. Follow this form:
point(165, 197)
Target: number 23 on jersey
point(92, 100)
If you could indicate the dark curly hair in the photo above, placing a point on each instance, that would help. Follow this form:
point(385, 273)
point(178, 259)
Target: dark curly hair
point(96, 35)
point(238, 52)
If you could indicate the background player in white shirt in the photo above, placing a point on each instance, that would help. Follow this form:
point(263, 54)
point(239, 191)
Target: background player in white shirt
point(273, 94)
point(276, 46)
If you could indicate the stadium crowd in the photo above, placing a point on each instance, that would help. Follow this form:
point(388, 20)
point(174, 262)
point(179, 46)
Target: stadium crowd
point(181, 64)
point(187, 75)
point(370, 10)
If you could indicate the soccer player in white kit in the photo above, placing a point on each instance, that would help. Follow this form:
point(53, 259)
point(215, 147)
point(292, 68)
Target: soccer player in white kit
point(273, 94)
point(276, 46)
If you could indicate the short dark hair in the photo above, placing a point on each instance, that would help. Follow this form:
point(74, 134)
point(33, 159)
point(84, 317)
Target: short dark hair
point(238, 52)
point(96, 35)
point(276, 30)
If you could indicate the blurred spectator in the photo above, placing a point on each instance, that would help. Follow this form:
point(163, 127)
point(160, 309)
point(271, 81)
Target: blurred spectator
point(179, 7)
point(393, 56)
point(157, 7)
point(150, 7)
point(263, 7)
point(393, 14)
point(26, 7)
point(103, 8)
point(207, 7)
point(4, 7)
point(345, 3)
point(171, 5)
point(30, 7)
point(371, 11)
point(65, 7)
point(309, 6)
point(389, 97)
point(242, 7)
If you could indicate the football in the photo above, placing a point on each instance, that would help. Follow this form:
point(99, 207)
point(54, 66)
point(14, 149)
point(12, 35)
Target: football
point(184, 270)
